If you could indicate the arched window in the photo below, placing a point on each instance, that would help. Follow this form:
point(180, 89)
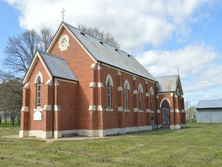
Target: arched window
point(140, 91)
point(126, 89)
point(108, 94)
point(38, 93)
point(109, 83)
point(151, 99)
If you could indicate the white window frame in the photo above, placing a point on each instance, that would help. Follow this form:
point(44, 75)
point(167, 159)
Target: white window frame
point(126, 89)
point(38, 92)
point(109, 84)
point(140, 91)
point(109, 95)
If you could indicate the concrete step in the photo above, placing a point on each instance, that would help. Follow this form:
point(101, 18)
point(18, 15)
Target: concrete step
point(70, 135)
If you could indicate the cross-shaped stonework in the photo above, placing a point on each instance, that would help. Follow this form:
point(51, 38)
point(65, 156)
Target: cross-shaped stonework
point(63, 13)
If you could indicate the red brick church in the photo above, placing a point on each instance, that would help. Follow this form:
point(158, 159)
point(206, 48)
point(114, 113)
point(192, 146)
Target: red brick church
point(84, 86)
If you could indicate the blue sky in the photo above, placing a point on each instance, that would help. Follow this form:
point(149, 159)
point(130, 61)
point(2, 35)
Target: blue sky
point(8, 18)
point(165, 34)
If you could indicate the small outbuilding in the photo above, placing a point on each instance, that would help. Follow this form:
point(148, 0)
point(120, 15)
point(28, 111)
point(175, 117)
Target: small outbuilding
point(209, 111)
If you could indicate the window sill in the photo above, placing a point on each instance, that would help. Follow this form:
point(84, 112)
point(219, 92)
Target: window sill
point(126, 110)
point(140, 110)
point(109, 109)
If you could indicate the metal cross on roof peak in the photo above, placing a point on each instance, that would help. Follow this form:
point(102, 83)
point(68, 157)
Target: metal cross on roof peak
point(63, 14)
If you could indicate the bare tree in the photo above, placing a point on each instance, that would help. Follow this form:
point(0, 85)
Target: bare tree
point(101, 35)
point(45, 38)
point(19, 52)
point(21, 49)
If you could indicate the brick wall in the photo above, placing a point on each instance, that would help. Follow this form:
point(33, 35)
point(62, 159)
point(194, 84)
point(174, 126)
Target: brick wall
point(80, 63)
point(75, 98)
point(46, 115)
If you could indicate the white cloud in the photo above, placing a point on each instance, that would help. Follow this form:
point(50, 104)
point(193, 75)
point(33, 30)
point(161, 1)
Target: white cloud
point(196, 63)
point(133, 23)
point(139, 24)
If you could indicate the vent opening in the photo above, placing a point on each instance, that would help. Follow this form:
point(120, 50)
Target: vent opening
point(128, 55)
point(101, 42)
point(82, 33)
point(116, 50)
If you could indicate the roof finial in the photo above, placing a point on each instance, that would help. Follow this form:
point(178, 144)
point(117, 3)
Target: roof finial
point(63, 13)
point(178, 71)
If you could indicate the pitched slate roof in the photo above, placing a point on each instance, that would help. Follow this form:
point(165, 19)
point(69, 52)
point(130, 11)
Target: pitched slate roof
point(167, 83)
point(58, 66)
point(207, 104)
point(107, 54)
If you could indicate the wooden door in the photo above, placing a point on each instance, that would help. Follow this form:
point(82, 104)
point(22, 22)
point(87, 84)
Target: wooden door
point(166, 116)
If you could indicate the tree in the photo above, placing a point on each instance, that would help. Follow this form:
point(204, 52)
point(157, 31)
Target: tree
point(0, 117)
point(21, 49)
point(10, 96)
point(101, 35)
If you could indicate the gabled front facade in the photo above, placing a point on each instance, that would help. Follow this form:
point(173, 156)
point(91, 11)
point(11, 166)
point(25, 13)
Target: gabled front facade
point(171, 102)
point(86, 87)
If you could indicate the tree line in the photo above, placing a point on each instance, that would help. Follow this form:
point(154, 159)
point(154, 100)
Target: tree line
point(19, 52)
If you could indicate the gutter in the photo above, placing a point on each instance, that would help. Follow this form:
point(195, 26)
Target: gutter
point(174, 109)
point(156, 106)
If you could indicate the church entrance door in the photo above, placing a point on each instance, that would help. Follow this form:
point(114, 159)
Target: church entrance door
point(166, 116)
point(165, 113)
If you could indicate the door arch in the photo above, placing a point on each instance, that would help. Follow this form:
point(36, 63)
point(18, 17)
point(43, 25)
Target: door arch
point(165, 113)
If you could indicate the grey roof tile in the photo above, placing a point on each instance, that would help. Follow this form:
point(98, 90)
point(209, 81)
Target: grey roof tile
point(167, 83)
point(107, 54)
point(58, 66)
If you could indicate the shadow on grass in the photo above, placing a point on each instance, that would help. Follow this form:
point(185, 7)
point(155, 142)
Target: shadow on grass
point(194, 127)
point(153, 132)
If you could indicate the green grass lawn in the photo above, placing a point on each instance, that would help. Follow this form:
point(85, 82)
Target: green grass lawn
point(197, 145)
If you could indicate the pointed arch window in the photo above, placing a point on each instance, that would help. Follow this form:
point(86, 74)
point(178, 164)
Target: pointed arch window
point(140, 91)
point(108, 94)
point(38, 81)
point(109, 84)
point(38, 93)
point(126, 89)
